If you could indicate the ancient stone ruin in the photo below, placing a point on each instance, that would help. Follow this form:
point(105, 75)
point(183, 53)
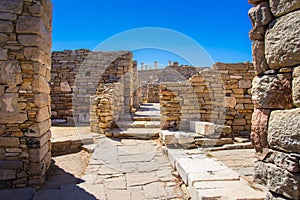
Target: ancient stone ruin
point(103, 90)
point(275, 121)
point(25, 64)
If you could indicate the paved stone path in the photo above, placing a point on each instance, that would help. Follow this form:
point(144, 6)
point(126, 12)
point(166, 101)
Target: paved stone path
point(130, 169)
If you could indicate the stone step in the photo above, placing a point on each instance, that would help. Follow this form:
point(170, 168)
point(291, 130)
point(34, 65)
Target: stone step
point(208, 178)
point(234, 190)
point(146, 118)
point(135, 133)
point(138, 124)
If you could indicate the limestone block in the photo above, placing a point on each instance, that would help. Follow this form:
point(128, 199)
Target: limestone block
point(259, 129)
point(284, 130)
point(43, 114)
point(36, 155)
point(65, 87)
point(11, 164)
point(282, 41)
point(31, 25)
point(13, 6)
point(10, 73)
point(9, 142)
point(6, 26)
point(258, 56)
point(41, 100)
point(38, 129)
point(245, 84)
point(278, 180)
point(255, 2)
point(296, 86)
point(202, 128)
point(3, 38)
point(281, 7)
point(229, 102)
point(260, 15)
point(272, 91)
point(257, 33)
point(7, 174)
point(3, 54)
point(40, 84)
point(11, 110)
point(288, 161)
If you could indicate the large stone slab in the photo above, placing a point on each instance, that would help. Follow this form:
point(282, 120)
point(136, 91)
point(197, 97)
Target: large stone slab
point(260, 15)
point(258, 57)
point(259, 129)
point(284, 130)
point(224, 190)
point(12, 6)
point(282, 41)
point(272, 91)
point(278, 180)
point(281, 7)
point(202, 168)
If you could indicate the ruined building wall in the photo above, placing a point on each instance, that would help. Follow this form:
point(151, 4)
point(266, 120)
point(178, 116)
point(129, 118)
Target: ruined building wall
point(276, 96)
point(25, 48)
point(218, 95)
point(76, 75)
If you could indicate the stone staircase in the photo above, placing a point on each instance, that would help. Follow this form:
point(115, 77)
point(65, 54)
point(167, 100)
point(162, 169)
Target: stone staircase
point(144, 124)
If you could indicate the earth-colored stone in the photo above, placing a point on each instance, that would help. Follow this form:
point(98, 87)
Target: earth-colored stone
point(282, 41)
point(296, 86)
point(281, 7)
point(43, 114)
point(31, 25)
point(284, 130)
point(290, 162)
point(260, 15)
point(259, 129)
point(255, 2)
point(258, 56)
point(10, 73)
point(272, 91)
point(278, 180)
point(12, 6)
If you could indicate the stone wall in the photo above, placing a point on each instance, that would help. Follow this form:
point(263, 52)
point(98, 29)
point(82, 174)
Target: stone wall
point(25, 48)
point(153, 93)
point(276, 118)
point(76, 76)
point(218, 95)
point(106, 107)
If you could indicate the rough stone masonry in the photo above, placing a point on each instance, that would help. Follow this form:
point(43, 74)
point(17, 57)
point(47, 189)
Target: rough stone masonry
point(276, 95)
point(25, 48)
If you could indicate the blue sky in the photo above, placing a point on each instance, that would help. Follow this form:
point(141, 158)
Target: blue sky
point(219, 26)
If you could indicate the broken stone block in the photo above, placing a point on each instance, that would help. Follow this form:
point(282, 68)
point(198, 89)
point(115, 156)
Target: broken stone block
point(258, 56)
point(278, 180)
point(272, 91)
point(296, 86)
point(260, 15)
point(9, 142)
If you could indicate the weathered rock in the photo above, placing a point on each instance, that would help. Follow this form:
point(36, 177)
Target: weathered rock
point(10, 73)
point(272, 91)
point(3, 38)
point(41, 100)
point(260, 15)
point(255, 2)
point(7, 174)
point(10, 164)
point(38, 129)
point(296, 86)
point(3, 54)
point(9, 142)
point(257, 33)
point(6, 27)
point(281, 7)
point(259, 129)
point(12, 6)
point(282, 41)
point(290, 162)
point(258, 55)
point(31, 25)
point(43, 114)
point(40, 84)
point(274, 196)
point(284, 130)
point(278, 180)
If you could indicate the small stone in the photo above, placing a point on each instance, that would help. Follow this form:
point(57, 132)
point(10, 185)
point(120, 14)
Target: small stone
point(258, 55)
